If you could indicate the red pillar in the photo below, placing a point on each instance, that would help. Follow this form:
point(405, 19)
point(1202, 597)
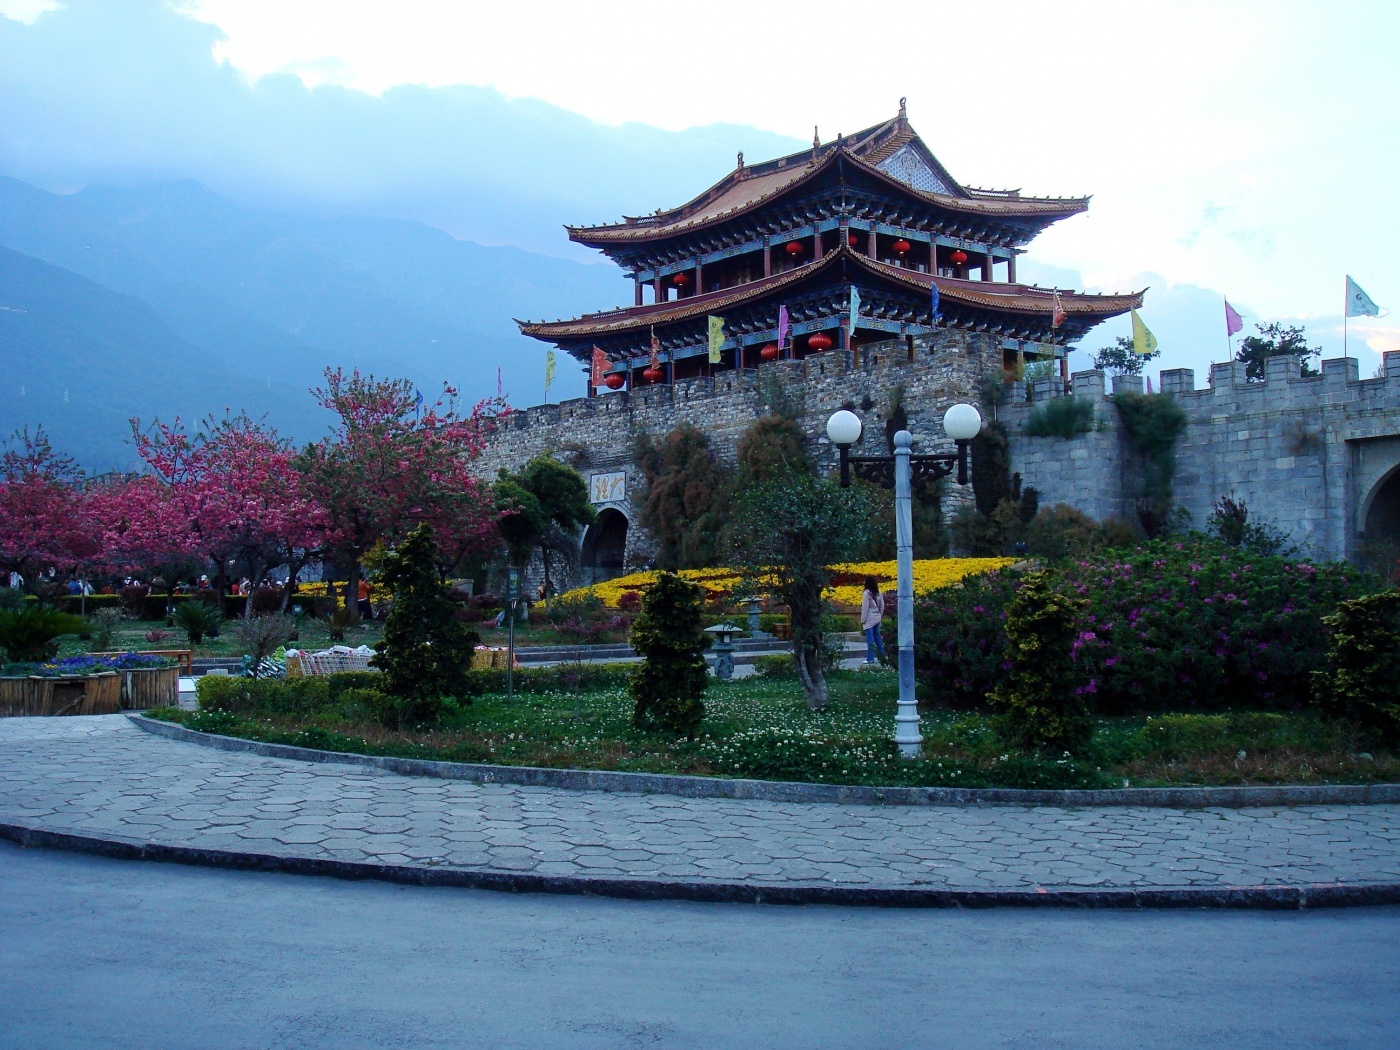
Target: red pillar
point(1011, 268)
point(767, 258)
point(988, 264)
point(639, 292)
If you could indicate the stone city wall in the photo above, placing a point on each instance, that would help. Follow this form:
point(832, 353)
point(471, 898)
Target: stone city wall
point(596, 435)
point(1307, 455)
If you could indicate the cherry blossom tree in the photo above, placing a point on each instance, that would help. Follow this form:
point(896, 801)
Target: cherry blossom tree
point(229, 493)
point(390, 464)
point(45, 514)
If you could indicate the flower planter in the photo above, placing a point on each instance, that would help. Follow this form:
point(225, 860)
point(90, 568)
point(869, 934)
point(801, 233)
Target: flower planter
point(88, 694)
point(150, 687)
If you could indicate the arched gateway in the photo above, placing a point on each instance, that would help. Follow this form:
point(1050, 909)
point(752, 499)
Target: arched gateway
point(604, 546)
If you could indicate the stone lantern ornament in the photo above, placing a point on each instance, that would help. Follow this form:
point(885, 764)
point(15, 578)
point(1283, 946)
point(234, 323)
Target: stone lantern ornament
point(962, 423)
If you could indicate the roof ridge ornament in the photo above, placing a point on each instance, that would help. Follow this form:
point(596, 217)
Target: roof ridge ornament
point(903, 108)
point(741, 160)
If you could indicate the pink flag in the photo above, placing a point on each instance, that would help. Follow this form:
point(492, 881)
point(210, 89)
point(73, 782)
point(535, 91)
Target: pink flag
point(1233, 321)
point(782, 327)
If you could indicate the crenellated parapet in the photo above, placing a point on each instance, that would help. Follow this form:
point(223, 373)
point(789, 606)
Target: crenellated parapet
point(1306, 453)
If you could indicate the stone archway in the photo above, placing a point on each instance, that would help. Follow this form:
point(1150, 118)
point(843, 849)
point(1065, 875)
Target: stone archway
point(1382, 524)
point(604, 546)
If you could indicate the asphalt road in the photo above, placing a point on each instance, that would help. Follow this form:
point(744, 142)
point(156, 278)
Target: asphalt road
point(104, 953)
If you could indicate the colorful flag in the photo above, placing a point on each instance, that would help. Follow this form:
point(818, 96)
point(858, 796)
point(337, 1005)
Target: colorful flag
point(1144, 342)
point(935, 302)
point(1233, 321)
point(1057, 312)
point(855, 305)
point(655, 351)
point(548, 371)
point(500, 389)
point(782, 327)
point(601, 364)
point(716, 338)
point(1359, 304)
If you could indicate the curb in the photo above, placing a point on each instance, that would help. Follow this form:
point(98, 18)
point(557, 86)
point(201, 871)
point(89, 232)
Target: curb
point(787, 791)
point(1305, 897)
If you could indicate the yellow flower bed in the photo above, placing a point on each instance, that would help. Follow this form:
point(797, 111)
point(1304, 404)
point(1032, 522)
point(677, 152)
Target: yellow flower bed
point(929, 574)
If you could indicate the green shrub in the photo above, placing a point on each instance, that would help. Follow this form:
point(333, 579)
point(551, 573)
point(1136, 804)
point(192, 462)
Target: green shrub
point(666, 689)
point(1062, 417)
point(1362, 678)
point(197, 619)
point(374, 705)
point(30, 634)
point(587, 677)
point(1062, 531)
point(780, 665)
point(427, 652)
point(11, 598)
point(1042, 708)
point(262, 696)
point(1168, 624)
point(338, 683)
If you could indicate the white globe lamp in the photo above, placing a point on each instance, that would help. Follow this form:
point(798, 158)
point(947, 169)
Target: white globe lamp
point(962, 422)
point(843, 428)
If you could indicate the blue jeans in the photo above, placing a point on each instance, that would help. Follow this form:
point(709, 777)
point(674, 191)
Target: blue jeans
point(873, 644)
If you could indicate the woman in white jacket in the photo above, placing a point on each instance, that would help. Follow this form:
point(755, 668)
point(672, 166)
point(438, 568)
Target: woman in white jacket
point(872, 611)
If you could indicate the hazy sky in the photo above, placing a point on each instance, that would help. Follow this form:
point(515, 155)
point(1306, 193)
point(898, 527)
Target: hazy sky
point(1245, 147)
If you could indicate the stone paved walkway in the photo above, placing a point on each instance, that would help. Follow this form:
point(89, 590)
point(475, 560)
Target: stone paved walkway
point(103, 777)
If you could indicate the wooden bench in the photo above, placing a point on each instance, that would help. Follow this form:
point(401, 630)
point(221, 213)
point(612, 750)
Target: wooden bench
point(183, 657)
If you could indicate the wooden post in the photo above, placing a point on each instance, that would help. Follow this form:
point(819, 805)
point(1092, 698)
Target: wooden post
point(1011, 268)
point(767, 258)
point(870, 243)
point(817, 250)
point(638, 283)
point(699, 278)
point(658, 291)
point(988, 262)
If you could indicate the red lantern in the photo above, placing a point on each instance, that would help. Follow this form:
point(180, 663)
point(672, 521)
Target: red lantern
point(959, 257)
point(769, 352)
point(852, 240)
point(614, 380)
point(900, 246)
point(680, 280)
point(819, 342)
point(793, 248)
point(652, 375)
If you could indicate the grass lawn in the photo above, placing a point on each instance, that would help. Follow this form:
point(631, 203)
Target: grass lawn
point(761, 728)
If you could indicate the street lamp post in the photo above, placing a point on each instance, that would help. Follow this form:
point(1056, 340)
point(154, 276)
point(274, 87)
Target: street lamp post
point(961, 423)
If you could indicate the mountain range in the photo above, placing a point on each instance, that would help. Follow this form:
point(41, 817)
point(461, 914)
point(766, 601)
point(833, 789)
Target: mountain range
point(169, 299)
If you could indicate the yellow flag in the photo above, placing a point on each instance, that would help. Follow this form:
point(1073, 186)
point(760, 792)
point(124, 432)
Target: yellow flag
point(716, 338)
point(548, 371)
point(1144, 342)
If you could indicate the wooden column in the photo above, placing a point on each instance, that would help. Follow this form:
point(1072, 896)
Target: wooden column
point(767, 258)
point(988, 266)
point(658, 291)
point(639, 292)
point(699, 278)
point(1011, 268)
point(816, 243)
point(870, 242)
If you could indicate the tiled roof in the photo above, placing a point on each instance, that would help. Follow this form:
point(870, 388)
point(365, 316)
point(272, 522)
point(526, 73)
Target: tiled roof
point(747, 187)
point(1014, 298)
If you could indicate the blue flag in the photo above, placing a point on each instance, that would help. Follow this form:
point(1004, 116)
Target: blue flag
point(934, 290)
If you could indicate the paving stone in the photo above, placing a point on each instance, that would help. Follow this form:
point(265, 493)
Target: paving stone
point(103, 776)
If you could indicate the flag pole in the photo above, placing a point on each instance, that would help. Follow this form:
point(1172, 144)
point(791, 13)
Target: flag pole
point(1345, 304)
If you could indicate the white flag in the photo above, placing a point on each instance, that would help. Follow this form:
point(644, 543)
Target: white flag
point(1359, 304)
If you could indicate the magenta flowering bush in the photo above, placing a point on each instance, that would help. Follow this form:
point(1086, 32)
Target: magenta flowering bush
point(1170, 625)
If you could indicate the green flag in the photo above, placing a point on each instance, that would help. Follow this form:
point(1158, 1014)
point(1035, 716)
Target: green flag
point(716, 338)
point(548, 372)
point(1144, 342)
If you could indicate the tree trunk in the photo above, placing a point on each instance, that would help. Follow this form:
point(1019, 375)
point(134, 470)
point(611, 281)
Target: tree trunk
point(809, 672)
point(352, 590)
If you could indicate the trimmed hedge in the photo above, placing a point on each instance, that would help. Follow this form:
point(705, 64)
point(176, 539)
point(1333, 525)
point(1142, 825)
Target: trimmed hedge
point(152, 606)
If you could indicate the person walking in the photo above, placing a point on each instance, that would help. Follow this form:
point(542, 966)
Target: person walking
point(872, 612)
point(365, 590)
